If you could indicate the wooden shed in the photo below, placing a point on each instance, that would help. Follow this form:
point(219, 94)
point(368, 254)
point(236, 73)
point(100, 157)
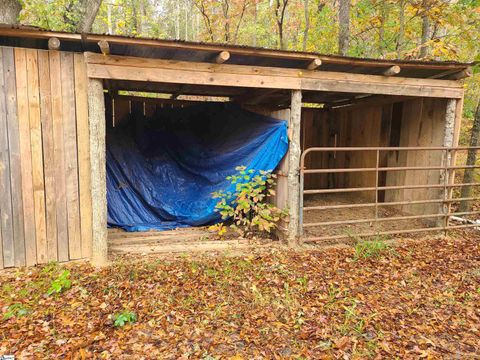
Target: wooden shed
point(363, 134)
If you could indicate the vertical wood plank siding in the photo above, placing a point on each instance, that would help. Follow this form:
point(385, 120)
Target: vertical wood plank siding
point(45, 197)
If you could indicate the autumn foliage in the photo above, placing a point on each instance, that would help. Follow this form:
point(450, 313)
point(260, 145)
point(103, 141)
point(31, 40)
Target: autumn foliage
point(419, 301)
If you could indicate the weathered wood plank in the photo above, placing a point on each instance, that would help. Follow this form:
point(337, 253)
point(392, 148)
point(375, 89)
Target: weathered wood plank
point(59, 155)
point(96, 120)
point(33, 87)
point(168, 71)
point(48, 154)
point(71, 156)
point(14, 152)
point(6, 226)
point(277, 72)
point(29, 248)
point(83, 140)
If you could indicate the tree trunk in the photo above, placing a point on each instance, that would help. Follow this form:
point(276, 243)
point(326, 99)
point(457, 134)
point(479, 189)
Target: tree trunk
point(88, 10)
point(9, 10)
point(468, 176)
point(344, 26)
point(426, 32)
point(401, 30)
point(307, 25)
point(381, 29)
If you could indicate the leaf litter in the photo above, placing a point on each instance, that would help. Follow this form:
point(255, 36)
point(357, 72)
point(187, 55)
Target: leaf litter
point(420, 301)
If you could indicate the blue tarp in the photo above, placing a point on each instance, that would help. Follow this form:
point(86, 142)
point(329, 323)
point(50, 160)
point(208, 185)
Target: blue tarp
point(162, 171)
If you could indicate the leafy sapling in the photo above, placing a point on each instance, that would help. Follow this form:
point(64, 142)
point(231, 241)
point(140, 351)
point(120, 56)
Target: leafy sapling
point(248, 205)
point(123, 318)
point(61, 283)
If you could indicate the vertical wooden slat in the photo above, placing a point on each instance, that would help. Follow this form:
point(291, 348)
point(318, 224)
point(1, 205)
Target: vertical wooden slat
point(29, 248)
point(59, 155)
point(81, 103)
point(37, 154)
point(48, 153)
point(71, 163)
point(14, 152)
point(96, 122)
point(6, 228)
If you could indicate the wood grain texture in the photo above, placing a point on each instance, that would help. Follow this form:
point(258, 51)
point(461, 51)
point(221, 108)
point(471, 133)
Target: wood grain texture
point(71, 156)
point(96, 120)
point(29, 248)
point(59, 155)
point(170, 71)
point(6, 226)
point(37, 154)
point(14, 153)
point(48, 154)
point(81, 103)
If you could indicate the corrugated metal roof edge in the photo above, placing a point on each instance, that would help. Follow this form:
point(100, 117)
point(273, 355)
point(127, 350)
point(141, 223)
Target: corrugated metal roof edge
point(35, 32)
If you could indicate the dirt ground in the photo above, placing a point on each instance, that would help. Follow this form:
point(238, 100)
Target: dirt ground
point(417, 299)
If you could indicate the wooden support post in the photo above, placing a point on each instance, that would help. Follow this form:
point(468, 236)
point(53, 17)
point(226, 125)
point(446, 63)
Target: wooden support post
point(53, 44)
point(448, 141)
point(222, 57)
point(294, 167)
point(392, 70)
point(96, 117)
point(104, 47)
point(315, 63)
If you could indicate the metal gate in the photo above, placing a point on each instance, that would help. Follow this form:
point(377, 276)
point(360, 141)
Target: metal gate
point(386, 203)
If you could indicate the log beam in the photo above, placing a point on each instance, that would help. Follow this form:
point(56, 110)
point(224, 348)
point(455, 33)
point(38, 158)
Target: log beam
point(314, 64)
point(392, 70)
point(104, 47)
point(294, 151)
point(53, 43)
point(96, 117)
point(222, 57)
point(468, 72)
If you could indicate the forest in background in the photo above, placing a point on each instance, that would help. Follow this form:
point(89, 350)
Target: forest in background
point(390, 29)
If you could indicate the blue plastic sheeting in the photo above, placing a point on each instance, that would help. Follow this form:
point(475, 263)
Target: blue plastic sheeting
point(162, 171)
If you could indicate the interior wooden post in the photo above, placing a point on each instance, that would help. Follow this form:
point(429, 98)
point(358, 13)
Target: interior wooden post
point(96, 117)
point(294, 167)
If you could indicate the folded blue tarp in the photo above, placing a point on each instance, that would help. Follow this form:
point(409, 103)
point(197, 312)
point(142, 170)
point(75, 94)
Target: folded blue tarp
point(162, 171)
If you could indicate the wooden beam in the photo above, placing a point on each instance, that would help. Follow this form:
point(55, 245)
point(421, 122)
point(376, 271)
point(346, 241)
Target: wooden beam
point(53, 43)
point(96, 116)
point(104, 47)
point(181, 72)
point(254, 97)
point(392, 70)
point(468, 72)
point(371, 100)
point(222, 57)
point(315, 63)
point(294, 151)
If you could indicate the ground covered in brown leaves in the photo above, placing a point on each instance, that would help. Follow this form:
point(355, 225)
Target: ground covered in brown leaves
point(418, 300)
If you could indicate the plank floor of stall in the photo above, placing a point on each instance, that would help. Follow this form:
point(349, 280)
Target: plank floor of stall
point(171, 241)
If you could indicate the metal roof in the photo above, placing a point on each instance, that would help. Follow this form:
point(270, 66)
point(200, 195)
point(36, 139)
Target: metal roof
point(29, 37)
point(240, 55)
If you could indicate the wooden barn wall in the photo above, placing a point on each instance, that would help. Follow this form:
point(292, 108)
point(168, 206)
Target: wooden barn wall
point(342, 128)
point(423, 124)
point(44, 157)
point(417, 122)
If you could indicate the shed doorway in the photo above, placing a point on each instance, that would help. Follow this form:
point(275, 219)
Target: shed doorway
point(165, 159)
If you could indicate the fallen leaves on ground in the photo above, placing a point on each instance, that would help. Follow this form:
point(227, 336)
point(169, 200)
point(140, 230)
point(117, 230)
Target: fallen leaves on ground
point(420, 300)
